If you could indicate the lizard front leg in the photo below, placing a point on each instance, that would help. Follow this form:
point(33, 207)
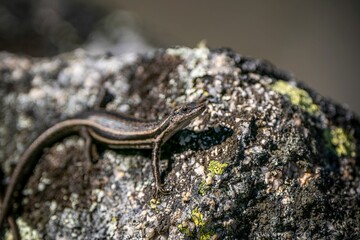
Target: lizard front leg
point(156, 169)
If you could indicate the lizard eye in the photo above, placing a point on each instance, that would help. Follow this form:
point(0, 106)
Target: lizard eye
point(184, 109)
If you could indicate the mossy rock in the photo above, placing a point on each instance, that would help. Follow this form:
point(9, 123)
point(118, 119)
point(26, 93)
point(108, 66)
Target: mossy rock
point(268, 159)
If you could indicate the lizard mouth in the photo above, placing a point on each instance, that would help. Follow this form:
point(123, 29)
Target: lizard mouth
point(198, 108)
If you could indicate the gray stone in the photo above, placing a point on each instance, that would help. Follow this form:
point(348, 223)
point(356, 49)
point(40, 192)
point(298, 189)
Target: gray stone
point(269, 158)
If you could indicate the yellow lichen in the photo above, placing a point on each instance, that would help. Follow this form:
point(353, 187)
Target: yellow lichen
point(184, 228)
point(153, 203)
point(342, 142)
point(203, 188)
point(216, 167)
point(297, 97)
point(114, 220)
point(206, 236)
point(197, 217)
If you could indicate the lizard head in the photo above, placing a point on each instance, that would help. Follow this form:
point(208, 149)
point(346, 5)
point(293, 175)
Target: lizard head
point(182, 116)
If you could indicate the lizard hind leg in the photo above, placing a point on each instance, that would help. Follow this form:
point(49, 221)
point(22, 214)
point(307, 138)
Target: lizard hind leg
point(91, 153)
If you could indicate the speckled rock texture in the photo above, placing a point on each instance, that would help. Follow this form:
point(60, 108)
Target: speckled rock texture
point(268, 159)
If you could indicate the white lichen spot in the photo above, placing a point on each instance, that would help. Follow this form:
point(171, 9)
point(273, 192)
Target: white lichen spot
point(36, 93)
point(45, 180)
point(41, 187)
point(118, 173)
point(286, 200)
point(209, 180)
point(185, 197)
point(18, 74)
point(74, 199)
point(26, 232)
point(112, 226)
point(193, 56)
point(222, 65)
point(149, 232)
point(274, 180)
point(24, 122)
point(92, 207)
point(99, 194)
point(199, 170)
point(53, 206)
point(196, 62)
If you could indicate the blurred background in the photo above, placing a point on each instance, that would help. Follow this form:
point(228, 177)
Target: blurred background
point(318, 41)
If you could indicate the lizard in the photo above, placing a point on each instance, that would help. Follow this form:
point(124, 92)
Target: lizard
point(113, 129)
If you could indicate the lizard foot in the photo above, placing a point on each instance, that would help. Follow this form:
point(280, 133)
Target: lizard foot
point(161, 191)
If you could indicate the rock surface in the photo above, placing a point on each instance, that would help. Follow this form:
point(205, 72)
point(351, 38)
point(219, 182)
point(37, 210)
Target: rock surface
point(269, 158)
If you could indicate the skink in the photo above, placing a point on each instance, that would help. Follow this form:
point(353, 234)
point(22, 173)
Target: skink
point(112, 129)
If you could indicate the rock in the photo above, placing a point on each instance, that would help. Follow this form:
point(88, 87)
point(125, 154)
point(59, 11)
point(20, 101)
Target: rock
point(269, 158)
